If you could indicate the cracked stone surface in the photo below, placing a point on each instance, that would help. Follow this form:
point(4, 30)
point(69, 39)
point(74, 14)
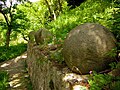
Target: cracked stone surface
point(18, 76)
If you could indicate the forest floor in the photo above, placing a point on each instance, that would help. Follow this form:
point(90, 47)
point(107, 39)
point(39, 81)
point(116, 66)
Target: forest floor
point(18, 76)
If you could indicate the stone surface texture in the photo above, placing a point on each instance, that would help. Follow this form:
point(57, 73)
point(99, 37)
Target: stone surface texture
point(87, 48)
point(46, 75)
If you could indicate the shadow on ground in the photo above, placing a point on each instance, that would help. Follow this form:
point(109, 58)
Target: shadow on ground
point(18, 76)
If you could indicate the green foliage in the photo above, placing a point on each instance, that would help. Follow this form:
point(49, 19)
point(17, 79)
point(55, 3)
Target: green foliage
point(36, 12)
point(112, 53)
point(2, 36)
point(115, 86)
point(12, 20)
point(29, 86)
point(116, 20)
point(3, 80)
point(114, 65)
point(12, 52)
point(20, 21)
point(57, 56)
point(95, 11)
point(32, 16)
point(41, 60)
point(20, 24)
point(104, 82)
point(29, 83)
point(98, 81)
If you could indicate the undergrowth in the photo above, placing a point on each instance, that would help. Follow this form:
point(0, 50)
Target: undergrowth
point(105, 81)
point(92, 11)
point(3, 80)
point(11, 52)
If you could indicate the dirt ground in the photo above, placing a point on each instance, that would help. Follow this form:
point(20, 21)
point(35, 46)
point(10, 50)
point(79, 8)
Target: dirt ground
point(18, 76)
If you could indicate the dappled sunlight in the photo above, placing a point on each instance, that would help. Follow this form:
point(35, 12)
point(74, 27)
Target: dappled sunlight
point(71, 76)
point(76, 82)
point(5, 65)
point(18, 85)
point(19, 57)
point(79, 87)
point(15, 60)
point(33, 0)
point(14, 82)
point(16, 71)
point(15, 76)
point(17, 80)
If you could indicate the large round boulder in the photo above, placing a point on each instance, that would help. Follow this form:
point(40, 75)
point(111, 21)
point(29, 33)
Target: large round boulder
point(87, 48)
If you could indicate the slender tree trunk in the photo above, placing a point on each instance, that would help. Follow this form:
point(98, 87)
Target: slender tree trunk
point(60, 6)
point(24, 37)
point(8, 37)
point(7, 42)
point(50, 11)
point(8, 22)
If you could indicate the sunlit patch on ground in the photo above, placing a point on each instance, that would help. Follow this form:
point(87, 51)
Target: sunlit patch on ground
point(14, 82)
point(4, 65)
point(76, 82)
point(15, 76)
point(17, 72)
point(19, 57)
point(79, 87)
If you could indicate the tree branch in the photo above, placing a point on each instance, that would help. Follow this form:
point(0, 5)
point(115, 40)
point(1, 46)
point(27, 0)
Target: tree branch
point(10, 12)
point(24, 37)
point(60, 5)
point(50, 11)
point(6, 19)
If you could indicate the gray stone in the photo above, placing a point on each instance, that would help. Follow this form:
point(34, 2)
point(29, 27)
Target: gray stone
point(46, 75)
point(42, 36)
point(86, 48)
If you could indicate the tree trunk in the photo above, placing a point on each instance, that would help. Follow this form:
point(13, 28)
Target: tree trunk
point(60, 6)
point(8, 30)
point(8, 37)
point(50, 10)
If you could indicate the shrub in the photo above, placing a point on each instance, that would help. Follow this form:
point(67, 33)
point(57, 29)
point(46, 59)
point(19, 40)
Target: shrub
point(3, 80)
point(96, 11)
point(11, 52)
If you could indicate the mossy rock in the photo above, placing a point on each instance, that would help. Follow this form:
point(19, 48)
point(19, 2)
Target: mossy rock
point(87, 46)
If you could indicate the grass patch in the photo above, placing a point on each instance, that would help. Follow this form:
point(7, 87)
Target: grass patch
point(3, 80)
point(106, 81)
point(12, 51)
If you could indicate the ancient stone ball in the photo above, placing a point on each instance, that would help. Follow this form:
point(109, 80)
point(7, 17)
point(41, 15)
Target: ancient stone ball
point(87, 48)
